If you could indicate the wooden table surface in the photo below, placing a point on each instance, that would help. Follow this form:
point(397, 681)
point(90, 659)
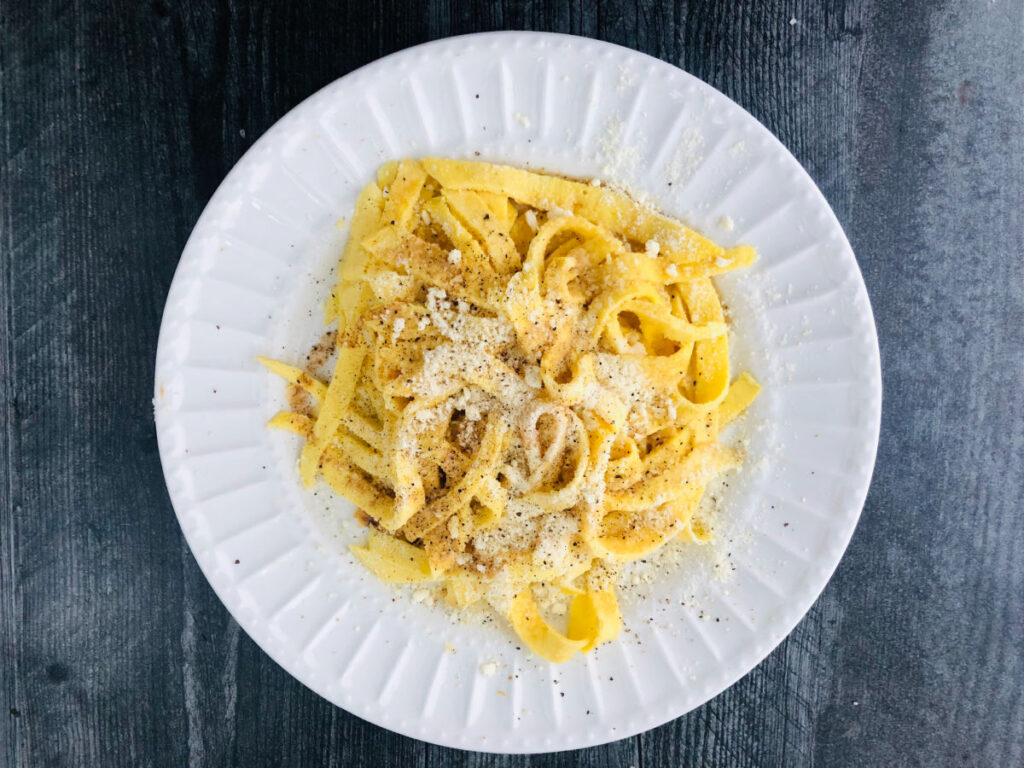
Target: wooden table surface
point(118, 121)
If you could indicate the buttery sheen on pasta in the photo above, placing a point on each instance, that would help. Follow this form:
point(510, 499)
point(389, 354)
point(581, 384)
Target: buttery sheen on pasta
point(531, 375)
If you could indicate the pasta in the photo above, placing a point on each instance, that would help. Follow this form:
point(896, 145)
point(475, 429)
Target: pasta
point(531, 374)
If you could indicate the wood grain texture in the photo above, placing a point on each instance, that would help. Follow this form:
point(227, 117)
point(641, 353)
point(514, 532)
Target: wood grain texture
point(119, 122)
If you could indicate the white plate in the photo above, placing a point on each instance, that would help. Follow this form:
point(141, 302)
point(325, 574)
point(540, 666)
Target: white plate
point(264, 249)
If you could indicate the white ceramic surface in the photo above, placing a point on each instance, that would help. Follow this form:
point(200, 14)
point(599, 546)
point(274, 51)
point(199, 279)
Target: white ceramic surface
point(249, 283)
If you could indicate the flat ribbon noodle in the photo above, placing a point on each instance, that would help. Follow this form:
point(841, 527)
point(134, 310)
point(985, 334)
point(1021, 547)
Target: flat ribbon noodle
point(531, 375)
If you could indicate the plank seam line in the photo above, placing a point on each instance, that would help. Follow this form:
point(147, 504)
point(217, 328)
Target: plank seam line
point(7, 362)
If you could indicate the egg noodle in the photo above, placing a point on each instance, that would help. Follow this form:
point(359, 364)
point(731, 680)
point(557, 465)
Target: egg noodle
point(530, 379)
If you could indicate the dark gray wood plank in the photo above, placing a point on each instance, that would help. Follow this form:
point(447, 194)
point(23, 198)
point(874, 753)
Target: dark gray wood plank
point(91, 558)
point(937, 217)
point(118, 124)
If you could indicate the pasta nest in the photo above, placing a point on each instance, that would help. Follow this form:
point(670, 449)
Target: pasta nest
point(530, 375)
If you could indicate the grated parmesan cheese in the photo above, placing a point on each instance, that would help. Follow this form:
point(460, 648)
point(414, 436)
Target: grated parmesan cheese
point(686, 157)
point(625, 78)
point(619, 158)
point(398, 327)
point(532, 376)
